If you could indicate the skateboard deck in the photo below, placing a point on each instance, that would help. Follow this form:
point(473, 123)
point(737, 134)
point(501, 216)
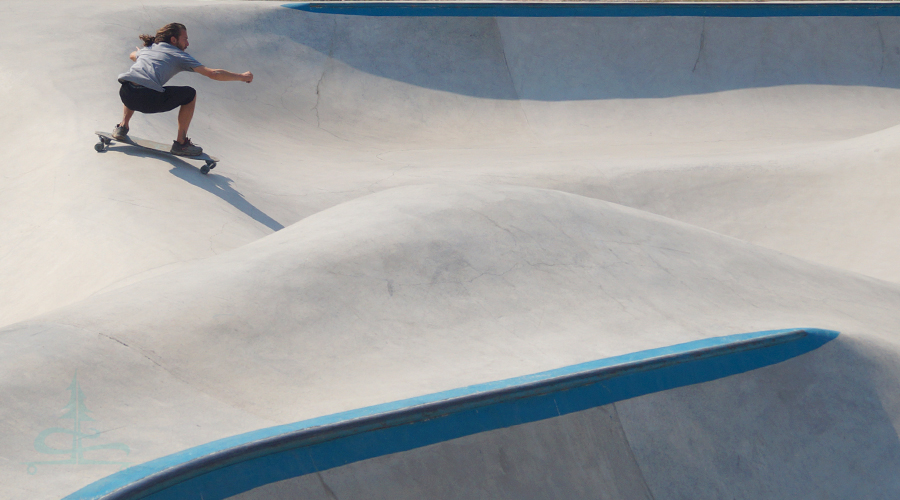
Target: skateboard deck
point(106, 138)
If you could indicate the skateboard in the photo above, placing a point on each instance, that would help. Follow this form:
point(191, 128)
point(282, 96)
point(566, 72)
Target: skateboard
point(107, 138)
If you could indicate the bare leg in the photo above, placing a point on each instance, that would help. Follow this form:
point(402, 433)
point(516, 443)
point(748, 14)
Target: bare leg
point(185, 114)
point(126, 117)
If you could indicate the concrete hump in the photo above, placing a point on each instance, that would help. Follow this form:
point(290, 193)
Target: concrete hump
point(413, 199)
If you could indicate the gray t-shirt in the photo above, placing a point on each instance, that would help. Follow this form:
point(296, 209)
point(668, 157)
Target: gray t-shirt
point(157, 64)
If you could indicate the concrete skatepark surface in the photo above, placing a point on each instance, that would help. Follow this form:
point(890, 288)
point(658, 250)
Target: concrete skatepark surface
point(408, 205)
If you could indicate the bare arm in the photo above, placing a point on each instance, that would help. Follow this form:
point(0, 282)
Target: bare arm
point(224, 76)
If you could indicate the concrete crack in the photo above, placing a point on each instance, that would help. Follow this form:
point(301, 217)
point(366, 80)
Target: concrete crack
point(702, 42)
point(492, 221)
point(512, 81)
point(113, 338)
point(316, 107)
point(393, 173)
point(630, 450)
point(325, 69)
point(138, 349)
point(328, 491)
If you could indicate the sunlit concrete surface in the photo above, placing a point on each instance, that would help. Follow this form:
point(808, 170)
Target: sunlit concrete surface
point(406, 205)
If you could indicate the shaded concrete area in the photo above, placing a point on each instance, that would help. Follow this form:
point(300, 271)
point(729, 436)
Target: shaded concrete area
point(782, 431)
point(583, 455)
point(411, 205)
point(820, 426)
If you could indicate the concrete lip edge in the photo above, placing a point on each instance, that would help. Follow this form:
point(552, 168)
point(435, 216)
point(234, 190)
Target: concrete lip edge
point(601, 9)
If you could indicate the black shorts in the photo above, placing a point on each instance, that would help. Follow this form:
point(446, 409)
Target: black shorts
point(148, 100)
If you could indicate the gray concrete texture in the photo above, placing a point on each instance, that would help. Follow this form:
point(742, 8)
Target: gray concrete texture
point(410, 205)
point(780, 432)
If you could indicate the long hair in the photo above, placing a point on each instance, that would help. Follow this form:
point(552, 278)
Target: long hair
point(164, 34)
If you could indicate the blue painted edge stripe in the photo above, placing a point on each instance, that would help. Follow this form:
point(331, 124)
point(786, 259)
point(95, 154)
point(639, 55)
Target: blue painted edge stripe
point(239, 463)
point(614, 9)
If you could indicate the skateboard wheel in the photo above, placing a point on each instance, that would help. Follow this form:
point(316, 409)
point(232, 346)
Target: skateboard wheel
point(99, 147)
point(204, 169)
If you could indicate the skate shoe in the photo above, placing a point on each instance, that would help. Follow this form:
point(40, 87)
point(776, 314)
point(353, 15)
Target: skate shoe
point(186, 149)
point(120, 132)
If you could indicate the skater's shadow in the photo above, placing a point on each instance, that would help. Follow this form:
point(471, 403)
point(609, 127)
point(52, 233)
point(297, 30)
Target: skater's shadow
point(218, 185)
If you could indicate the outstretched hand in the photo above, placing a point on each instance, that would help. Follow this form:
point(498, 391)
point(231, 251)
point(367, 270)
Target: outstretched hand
point(247, 76)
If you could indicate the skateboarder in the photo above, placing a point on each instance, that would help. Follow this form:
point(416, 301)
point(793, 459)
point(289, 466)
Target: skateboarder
point(162, 57)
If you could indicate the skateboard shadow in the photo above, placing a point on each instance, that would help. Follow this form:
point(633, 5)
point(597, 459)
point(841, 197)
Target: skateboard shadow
point(218, 185)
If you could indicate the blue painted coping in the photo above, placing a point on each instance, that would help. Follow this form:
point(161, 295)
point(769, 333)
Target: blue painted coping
point(522, 9)
point(240, 463)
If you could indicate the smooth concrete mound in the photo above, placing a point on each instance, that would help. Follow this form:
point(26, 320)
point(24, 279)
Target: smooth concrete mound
point(395, 295)
point(409, 205)
point(778, 131)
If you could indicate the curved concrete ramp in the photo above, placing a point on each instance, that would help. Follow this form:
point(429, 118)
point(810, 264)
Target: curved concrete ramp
point(462, 425)
point(405, 292)
point(408, 205)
